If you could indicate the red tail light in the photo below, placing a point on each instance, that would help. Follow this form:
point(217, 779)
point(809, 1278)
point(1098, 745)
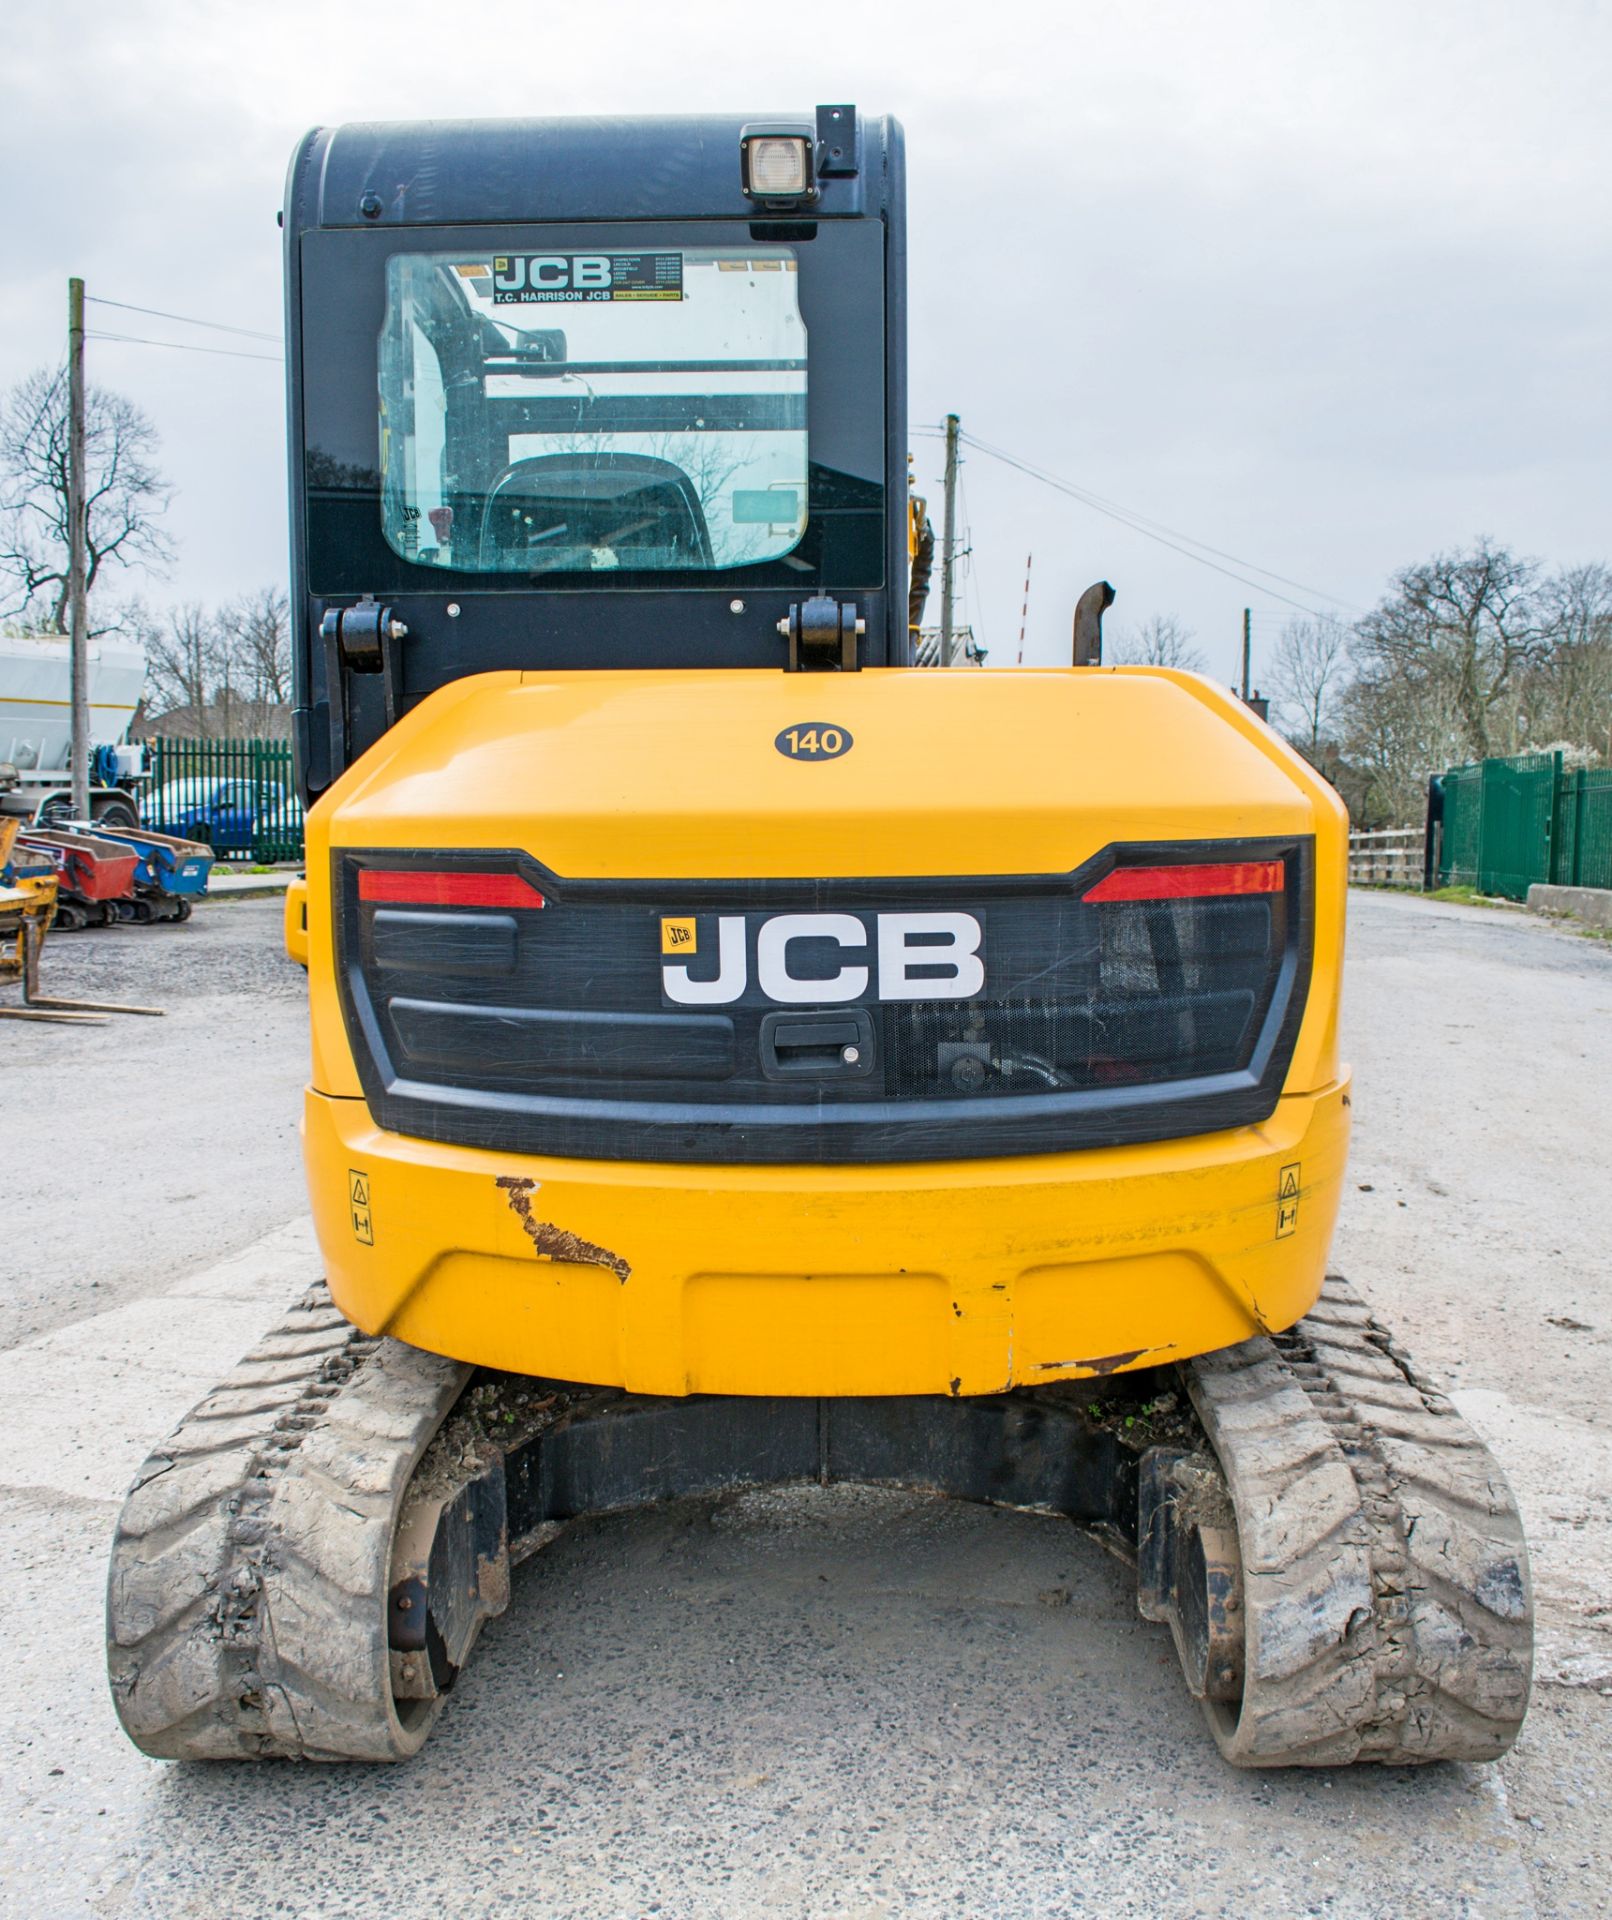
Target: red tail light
point(1189, 882)
point(418, 887)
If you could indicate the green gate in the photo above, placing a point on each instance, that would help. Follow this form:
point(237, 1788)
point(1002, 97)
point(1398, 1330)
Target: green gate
point(1463, 820)
point(239, 796)
point(1518, 799)
point(1511, 823)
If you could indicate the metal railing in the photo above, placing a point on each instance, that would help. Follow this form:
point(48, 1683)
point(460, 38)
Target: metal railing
point(239, 796)
point(1387, 857)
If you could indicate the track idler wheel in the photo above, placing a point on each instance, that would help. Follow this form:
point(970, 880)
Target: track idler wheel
point(449, 1576)
point(1190, 1568)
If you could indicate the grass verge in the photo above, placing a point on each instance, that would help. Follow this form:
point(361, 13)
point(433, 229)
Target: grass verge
point(1468, 897)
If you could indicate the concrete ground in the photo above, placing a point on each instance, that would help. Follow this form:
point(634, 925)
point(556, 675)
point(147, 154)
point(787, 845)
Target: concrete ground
point(802, 1702)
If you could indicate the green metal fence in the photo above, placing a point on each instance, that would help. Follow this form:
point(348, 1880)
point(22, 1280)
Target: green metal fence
point(1582, 853)
point(1514, 822)
point(239, 796)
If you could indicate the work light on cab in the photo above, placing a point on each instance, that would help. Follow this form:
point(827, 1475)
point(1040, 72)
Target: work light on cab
point(775, 166)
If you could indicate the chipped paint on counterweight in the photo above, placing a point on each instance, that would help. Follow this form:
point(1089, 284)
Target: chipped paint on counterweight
point(558, 1243)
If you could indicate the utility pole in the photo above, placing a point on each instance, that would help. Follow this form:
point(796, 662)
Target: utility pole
point(77, 534)
point(1248, 647)
point(948, 536)
point(1024, 611)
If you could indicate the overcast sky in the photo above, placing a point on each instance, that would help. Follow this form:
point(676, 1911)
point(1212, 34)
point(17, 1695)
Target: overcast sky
point(1325, 287)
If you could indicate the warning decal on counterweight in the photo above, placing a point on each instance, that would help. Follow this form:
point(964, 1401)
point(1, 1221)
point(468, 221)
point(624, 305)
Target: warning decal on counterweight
point(1287, 1200)
point(358, 1206)
point(542, 279)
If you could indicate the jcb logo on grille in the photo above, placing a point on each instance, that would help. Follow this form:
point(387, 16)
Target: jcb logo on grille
point(910, 956)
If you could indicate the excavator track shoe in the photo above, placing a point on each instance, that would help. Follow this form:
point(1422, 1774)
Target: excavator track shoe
point(1382, 1577)
point(247, 1601)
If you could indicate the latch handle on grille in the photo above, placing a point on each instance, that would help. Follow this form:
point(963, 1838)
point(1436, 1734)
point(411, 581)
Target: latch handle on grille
point(817, 1046)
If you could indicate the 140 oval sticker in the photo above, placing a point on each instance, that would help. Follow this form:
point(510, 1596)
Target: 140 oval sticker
point(813, 740)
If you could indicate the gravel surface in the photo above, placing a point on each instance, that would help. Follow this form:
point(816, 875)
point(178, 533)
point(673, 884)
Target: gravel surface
point(149, 1148)
point(1478, 1220)
point(800, 1702)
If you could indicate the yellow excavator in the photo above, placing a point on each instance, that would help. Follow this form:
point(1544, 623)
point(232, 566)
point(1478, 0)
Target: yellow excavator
point(27, 908)
point(740, 1057)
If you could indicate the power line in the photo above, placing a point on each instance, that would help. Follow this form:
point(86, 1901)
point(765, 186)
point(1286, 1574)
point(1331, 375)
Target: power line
point(1274, 613)
point(1144, 521)
point(182, 346)
point(1135, 527)
point(184, 319)
point(1154, 530)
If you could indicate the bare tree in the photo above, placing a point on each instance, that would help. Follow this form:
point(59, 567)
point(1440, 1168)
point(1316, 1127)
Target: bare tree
point(1311, 662)
point(1571, 701)
point(126, 494)
point(254, 635)
point(711, 465)
point(1467, 625)
point(182, 662)
point(1159, 642)
point(1471, 654)
point(1395, 731)
point(212, 673)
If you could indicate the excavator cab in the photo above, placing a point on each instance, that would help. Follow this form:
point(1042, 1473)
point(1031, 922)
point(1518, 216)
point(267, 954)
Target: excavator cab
point(739, 1055)
point(589, 397)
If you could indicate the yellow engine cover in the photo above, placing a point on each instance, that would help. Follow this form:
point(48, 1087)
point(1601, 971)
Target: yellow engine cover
point(962, 1275)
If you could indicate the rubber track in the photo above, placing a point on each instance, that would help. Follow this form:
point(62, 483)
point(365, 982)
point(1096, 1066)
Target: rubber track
point(1386, 1588)
point(246, 1606)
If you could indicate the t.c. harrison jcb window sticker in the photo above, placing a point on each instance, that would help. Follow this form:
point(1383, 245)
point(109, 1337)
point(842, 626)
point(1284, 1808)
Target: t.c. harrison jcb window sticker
point(540, 279)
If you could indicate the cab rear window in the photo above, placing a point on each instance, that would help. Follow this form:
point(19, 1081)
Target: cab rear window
point(592, 412)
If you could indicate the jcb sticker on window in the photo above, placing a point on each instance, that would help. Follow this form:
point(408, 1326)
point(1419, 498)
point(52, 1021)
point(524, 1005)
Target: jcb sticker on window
point(539, 279)
point(679, 936)
point(358, 1207)
point(1287, 1200)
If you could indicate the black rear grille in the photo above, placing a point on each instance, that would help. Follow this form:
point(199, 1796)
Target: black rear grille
point(562, 1028)
point(1053, 1045)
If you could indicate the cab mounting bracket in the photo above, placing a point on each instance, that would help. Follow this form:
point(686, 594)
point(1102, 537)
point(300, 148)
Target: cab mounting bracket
point(822, 633)
point(365, 639)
